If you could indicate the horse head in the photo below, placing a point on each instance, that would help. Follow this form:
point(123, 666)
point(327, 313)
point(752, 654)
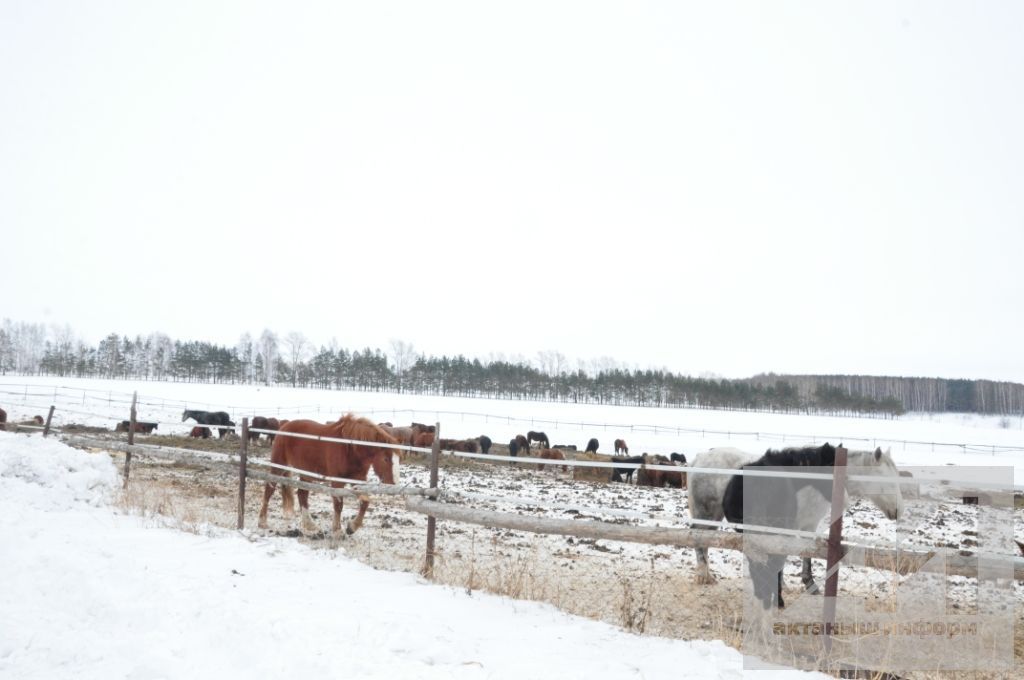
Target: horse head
point(888, 497)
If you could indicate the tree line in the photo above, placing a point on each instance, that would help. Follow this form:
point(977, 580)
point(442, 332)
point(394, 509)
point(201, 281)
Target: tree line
point(292, 360)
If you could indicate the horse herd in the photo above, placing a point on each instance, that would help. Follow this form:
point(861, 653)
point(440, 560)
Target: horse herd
point(777, 502)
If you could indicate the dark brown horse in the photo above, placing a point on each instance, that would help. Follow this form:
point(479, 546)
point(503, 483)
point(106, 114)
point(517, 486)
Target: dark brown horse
point(621, 448)
point(200, 431)
point(273, 424)
point(660, 478)
point(259, 423)
point(539, 437)
point(3, 419)
point(464, 445)
point(331, 459)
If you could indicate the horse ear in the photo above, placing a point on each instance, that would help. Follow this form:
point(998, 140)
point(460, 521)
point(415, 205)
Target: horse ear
point(878, 453)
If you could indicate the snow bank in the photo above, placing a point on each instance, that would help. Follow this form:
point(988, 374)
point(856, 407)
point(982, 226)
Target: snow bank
point(88, 593)
point(49, 475)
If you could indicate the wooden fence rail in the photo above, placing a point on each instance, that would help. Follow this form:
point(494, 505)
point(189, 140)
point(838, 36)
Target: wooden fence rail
point(900, 561)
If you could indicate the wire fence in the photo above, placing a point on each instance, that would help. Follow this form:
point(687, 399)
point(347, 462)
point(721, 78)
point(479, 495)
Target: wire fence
point(67, 397)
point(370, 488)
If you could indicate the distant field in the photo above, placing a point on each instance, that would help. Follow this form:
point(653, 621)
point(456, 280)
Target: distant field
point(915, 439)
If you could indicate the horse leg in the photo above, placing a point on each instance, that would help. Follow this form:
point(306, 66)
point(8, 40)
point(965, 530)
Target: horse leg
point(308, 525)
point(704, 576)
point(268, 491)
point(339, 504)
point(808, 578)
point(364, 503)
point(782, 603)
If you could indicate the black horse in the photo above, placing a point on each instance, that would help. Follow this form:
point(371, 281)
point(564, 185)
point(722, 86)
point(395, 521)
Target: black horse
point(592, 445)
point(776, 505)
point(513, 449)
point(627, 472)
point(210, 418)
point(678, 458)
point(485, 443)
point(532, 436)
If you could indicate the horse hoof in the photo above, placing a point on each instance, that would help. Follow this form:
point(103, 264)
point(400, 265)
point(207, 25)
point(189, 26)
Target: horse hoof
point(705, 580)
point(349, 530)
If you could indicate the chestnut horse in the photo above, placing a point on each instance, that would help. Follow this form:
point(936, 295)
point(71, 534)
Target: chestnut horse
point(331, 459)
point(552, 454)
point(620, 447)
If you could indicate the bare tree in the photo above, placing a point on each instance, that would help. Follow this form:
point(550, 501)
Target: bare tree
point(298, 347)
point(403, 355)
point(268, 352)
point(246, 351)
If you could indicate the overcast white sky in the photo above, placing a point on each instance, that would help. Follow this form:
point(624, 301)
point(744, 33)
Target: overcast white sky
point(703, 186)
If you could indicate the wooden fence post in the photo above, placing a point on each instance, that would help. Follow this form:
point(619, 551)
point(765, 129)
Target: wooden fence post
point(243, 454)
point(49, 417)
point(435, 455)
point(835, 539)
point(131, 439)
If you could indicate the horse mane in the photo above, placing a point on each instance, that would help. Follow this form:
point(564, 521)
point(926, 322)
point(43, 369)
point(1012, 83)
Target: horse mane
point(351, 426)
point(793, 456)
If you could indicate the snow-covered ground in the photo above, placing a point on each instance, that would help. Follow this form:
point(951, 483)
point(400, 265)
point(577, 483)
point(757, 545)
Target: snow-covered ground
point(91, 593)
point(197, 567)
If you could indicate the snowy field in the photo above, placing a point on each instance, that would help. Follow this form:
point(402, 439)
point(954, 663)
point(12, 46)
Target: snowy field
point(89, 593)
point(915, 439)
point(583, 577)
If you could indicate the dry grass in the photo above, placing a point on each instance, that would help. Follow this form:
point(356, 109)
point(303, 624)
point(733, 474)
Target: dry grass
point(652, 596)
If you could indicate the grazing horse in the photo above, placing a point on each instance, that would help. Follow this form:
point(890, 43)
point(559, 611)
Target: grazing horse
point(273, 424)
point(513, 450)
point(260, 423)
point(463, 445)
point(552, 454)
point(331, 459)
point(199, 431)
point(707, 495)
point(210, 418)
point(619, 472)
point(621, 448)
point(524, 444)
point(678, 458)
point(660, 478)
point(420, 427)
point(485, 443)
point(539, 437)
point(407, 435)
point(125, 425)
point(592, 446)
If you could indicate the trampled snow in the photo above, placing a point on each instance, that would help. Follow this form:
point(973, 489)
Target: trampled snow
point(91, 593)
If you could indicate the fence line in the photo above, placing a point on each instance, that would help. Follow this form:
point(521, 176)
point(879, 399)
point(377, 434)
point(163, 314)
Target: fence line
point(515, 521)
point(650, 428)
point(531, 460)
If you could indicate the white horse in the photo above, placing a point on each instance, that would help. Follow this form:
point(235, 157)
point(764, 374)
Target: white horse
point(706, 492)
